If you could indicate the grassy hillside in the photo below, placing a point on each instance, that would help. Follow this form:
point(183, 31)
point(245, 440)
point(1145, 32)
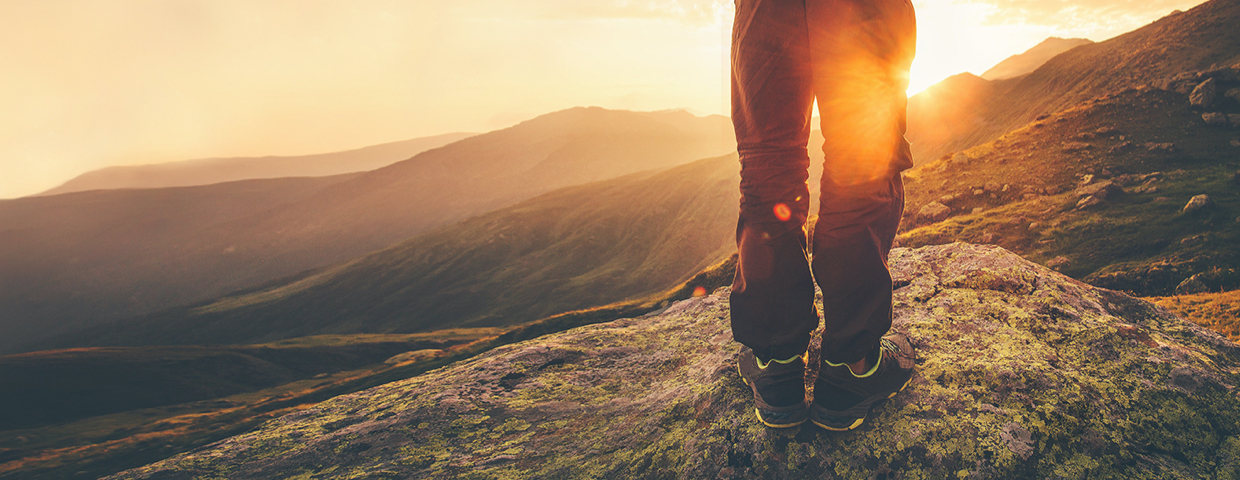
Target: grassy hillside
point(1194, 40)
point(134, 433)
point(1019, 191)
point(570, 249)
point(216, 170)
point(105, 444)
point(83, 258)
point(55, 386)
point(1217, 311)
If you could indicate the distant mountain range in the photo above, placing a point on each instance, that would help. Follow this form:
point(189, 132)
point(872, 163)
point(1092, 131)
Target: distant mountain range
point(71, 260)
point(218, 170)
point(573, 248)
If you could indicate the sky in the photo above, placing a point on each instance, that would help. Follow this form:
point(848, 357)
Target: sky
point(86, 84)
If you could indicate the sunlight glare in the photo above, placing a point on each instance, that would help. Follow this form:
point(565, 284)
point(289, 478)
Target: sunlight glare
point(954, 37)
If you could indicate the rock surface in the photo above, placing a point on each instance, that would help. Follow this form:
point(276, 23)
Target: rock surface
point(1023, 373)
point(1190, 286)
point(1215, 119)
point(1198, 202)
point(1203, 95)
point(1103, 190)
point(934, 212)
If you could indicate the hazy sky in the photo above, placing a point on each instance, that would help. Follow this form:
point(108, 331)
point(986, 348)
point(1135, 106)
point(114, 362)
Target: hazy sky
point(91, 83)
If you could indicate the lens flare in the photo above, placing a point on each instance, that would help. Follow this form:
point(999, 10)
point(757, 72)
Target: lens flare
point(782, 212)
point(699, 291)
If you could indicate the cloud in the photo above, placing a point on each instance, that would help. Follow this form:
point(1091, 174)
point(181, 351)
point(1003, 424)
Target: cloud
point(1096, 15)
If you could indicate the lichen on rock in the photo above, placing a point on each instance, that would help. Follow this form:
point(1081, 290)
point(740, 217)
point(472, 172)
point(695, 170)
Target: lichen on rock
point(1023, 373)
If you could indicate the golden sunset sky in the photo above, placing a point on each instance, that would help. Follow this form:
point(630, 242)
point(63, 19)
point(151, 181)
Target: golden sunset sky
point(92, 83)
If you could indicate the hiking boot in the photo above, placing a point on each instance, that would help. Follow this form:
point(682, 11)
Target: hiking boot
point(842, 399)
point(778, 388)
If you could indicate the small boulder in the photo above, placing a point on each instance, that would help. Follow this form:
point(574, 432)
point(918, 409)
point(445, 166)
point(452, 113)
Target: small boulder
point(1121, 147)
point(1076, 146)
point(1198, 202)
point(1234, 119)
point(1193, 240)
point(1102, 190)
point(1214, 119)
point(1106, 130)
point(1233, 94)
point(1235, 142)
point(413, 356)
point(1088, 202)
point(934, 212)
point(992, 187)
point(977, 210)
point(1166, 147)
point(1087, 179)
point(1058, 262)
point(1203, 95)
point(960, 159)
point(1190, 286)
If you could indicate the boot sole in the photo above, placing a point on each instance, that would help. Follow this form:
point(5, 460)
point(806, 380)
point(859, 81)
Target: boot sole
point(866, 405)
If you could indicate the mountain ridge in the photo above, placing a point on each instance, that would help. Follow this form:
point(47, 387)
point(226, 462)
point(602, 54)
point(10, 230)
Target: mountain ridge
point(1030, 60)
point(206, 171)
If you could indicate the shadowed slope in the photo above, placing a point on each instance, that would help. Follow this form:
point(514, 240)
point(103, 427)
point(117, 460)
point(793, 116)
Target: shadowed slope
point(68, 260)
point(1022, 373)
point(216, 170)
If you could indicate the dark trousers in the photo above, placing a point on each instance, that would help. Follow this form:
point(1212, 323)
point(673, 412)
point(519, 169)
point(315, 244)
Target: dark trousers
point(854, 57)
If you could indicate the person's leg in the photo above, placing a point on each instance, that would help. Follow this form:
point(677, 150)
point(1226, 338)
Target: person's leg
point(772, 293)
point(862, 51)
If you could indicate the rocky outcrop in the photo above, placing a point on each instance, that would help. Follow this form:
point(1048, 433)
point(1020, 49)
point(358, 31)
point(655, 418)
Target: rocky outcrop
point(1023, 373)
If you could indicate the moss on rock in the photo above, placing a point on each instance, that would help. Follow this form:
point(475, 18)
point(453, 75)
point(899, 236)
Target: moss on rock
point(1022, 373)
